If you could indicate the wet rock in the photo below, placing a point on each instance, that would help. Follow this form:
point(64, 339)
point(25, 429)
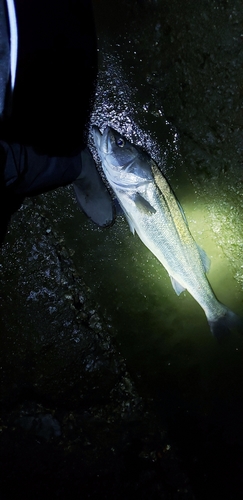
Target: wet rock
point(43, 426)
point(71, 419)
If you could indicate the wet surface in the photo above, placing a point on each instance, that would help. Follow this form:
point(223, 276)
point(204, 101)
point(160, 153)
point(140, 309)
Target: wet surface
point(72, 421)
point(111, 384)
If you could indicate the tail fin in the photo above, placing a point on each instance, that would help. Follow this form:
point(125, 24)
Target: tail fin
point(223, 325)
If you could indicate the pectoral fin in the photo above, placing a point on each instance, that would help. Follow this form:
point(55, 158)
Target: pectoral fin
point(177, 286)
point(143, 205)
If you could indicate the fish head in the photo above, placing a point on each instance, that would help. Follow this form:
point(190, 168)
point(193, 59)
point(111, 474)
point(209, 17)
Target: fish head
point(124, 164)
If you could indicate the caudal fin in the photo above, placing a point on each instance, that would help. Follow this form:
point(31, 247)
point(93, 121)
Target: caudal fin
point(223, 325)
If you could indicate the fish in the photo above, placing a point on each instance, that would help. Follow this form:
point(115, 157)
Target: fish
point(155, 214)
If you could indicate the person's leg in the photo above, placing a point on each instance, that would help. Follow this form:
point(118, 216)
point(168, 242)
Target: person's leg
point(26, 173)
point(52, 102)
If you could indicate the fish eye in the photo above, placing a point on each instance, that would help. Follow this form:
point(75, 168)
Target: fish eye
point(120, 142)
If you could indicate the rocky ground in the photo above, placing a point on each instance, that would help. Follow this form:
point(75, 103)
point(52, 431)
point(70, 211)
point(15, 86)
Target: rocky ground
point(72, 421)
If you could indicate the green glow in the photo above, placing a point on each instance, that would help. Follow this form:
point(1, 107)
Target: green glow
point(134, 288)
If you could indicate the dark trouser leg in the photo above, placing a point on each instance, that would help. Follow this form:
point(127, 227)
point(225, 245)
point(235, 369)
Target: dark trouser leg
point(26, 173)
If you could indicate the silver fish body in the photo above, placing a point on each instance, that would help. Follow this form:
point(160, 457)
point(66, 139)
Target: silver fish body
point(153, 211)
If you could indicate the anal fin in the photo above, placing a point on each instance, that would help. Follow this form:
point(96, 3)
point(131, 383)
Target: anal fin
point(177, 286)
point(204, 258)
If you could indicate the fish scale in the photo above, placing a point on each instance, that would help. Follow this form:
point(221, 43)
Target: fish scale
point(153, 211)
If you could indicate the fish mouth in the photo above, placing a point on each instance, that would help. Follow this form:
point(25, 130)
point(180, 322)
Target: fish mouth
point(105, 140)
point(102, 141)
